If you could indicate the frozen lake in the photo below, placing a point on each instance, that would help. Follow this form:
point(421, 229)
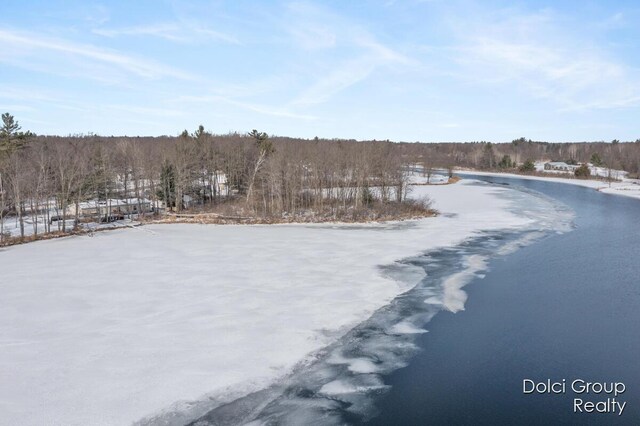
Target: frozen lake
point(565, 307)
point(160, 324)
point(511, 284)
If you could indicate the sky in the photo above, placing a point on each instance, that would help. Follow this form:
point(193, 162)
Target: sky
point(404, 70)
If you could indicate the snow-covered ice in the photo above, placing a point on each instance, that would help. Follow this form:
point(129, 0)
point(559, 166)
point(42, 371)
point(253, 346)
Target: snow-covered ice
point(126, 325)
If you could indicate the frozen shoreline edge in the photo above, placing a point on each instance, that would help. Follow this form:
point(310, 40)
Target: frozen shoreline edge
point(474, 209)
point(452, 300)
point(360, 377)
point(586, 183)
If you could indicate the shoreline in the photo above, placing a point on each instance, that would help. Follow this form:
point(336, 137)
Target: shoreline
point(624, 188)
point(414, 212)
point(17, 241)
point(349, 368)
point(220, 305)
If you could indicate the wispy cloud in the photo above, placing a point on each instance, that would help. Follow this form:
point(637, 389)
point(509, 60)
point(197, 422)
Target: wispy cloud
point(615, 21)
point(182, 31)
point(145, 111)
point(32, 45)
point(347, 74)
point(299, 66)
point(15, 107)
point(96, 13)
point(25, 94)
point(164, 31)
point(317, 28)
point(535, 52)
point(314, 37)
point(260, 109)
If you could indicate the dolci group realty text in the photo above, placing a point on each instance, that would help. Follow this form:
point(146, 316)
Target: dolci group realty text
point(592, 397)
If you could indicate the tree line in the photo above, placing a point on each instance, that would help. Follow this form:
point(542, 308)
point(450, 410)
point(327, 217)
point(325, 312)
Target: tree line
point(247, 174)
point(519, 154)
point(44, 179)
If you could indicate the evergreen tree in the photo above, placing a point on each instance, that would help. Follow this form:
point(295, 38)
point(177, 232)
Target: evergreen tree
point(11, 138)
point(506, 162)
point(528, 167)
point(596, 160)
point(367, 196)
point(583, 172)
point(488, 157)
point(265, 148)
point(167, 190)
point(199, 133)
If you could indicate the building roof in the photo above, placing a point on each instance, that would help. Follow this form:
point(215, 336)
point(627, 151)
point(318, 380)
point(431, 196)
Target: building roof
point(113, 202)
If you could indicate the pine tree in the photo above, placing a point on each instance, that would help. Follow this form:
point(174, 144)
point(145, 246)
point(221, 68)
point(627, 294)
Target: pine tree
point(11, 138)
point(265, 147)
point(528, 167)
point(596, 160)
point(583, 172)
point(167, 190)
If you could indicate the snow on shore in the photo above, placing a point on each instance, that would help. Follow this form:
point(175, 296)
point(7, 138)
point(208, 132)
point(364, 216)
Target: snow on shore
point(130, 323)
point(626, 187)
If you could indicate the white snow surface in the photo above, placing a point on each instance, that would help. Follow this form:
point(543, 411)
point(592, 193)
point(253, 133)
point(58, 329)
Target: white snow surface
point(134, 323)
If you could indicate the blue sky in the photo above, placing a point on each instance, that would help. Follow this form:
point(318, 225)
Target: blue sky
point(405, 70)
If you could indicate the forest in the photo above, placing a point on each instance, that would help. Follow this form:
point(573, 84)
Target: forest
point(44, 179)
point(243, 176)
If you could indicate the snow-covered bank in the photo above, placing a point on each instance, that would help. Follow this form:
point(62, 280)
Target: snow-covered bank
point(111, 329)
point(626, 187)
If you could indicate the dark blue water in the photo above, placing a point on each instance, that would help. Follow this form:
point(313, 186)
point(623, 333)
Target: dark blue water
point(567, 307)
